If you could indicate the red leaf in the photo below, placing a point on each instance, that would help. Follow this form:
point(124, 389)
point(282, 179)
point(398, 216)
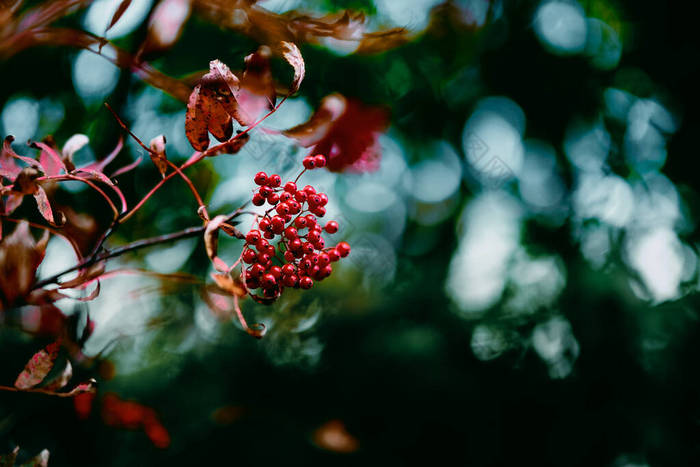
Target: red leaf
point(291, 53)
point(219, 122)
point(132, 415)
point(196, 121)
point(83, 404)
point(348, 137)
point(38, 367)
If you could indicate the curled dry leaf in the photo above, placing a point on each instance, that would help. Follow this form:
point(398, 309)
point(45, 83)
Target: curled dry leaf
point(61, 380)
point(212, 105)
point(74, 144)
point(20, 256)
point(42, 202)
point(158, 155)
point(229, 284)
point(267, 27)
point(211, 242)
point(121, 9)
point(291, 53)
point(38, 366)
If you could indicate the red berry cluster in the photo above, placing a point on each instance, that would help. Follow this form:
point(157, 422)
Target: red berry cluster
point(301, 250)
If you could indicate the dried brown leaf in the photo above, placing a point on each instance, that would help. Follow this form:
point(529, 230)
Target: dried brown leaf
point(211, 242)
point(20, 257)
point(121, 9)
point(158, 155)
point(291, 53)
point(196, 121)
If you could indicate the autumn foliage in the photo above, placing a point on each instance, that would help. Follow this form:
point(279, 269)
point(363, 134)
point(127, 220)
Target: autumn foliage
point(224, 103)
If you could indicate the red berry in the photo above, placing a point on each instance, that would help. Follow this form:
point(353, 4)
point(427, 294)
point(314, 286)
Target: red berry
point(257, 270)
point(252, 236)
point(307, 248)
point(324, 260)
point(282, 208)
point(320, 244)
point(331, 227)
point(290, 233)
point(290, 280)
point(295, 244)
point(333, 255)
point(290, 187)
point(248, 256)
point(309, 190)
point(270, 251)
point(263, 258)
point(325, 271)
point(288, 256)
point(274, 198)
point(265, 191)
point(268, 280)
point(285, 196)
point(309, 162)
point(269, 234)
point(258, 199)
point(277, 224)
point(264, 224)
point(320, 211)
point(262, 244)
point(320, 160)
point(306, 282)
point(300, 222)
point(274, 181)
point(343, 249)
point(260, 178)
point(313, 236)
point(300, 196)
point(276, 272)
point(314, 200)
point(288, 269)
point(311, 220)
point(294, 207)
point(324, 199)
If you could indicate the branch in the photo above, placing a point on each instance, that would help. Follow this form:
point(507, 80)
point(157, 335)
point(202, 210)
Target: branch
point(137, 245)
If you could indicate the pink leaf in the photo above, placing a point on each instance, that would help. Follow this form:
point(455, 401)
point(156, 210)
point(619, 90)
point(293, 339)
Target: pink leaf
point(38, 366)
point(42, 202)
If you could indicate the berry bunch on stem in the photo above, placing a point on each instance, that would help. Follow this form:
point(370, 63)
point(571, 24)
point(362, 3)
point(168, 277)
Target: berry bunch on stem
point(300, 255)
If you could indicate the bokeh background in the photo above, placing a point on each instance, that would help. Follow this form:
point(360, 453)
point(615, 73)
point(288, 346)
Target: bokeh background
point(522, 284)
